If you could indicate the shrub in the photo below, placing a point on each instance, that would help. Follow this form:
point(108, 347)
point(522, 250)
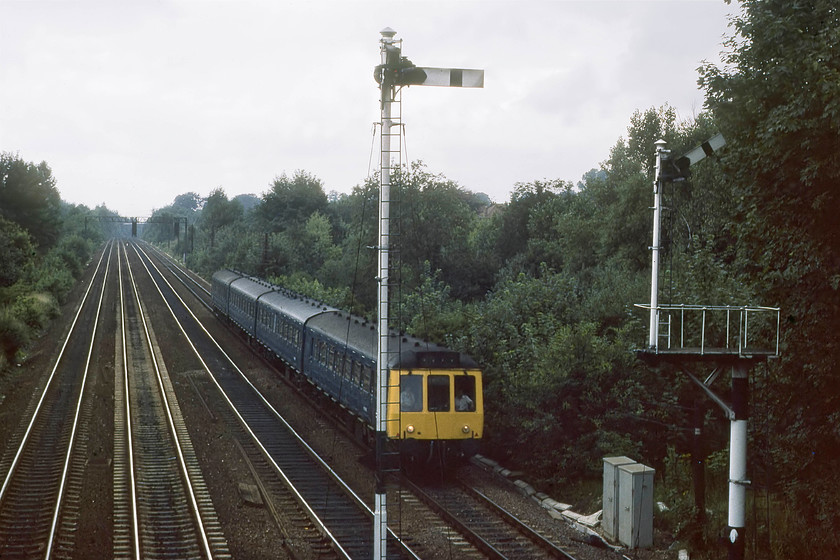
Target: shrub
point(36, 309)
point(14, 334)
point(74, 251)
point(53, 277)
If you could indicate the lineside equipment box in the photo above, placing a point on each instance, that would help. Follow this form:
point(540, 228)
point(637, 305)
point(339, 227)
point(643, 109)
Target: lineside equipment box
point(609, 519)
point(635, 505)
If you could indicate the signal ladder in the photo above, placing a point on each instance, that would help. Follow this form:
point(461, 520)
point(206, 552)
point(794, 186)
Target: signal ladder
point(390, 267)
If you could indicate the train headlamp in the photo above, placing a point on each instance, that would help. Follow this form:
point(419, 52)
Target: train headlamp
point(465, 429)
point(409, 429)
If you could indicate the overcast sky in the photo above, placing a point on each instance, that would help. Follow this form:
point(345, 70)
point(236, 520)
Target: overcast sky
point(132, 103)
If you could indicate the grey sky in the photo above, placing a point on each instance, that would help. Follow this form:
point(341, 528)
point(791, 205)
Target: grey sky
point(133, 103)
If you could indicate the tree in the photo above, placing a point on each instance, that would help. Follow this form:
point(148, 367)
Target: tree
point(16, 252)
point(433, 218)
point(777, 100)
point(513, 239)
point(189, 202)
point(218, 212)
point(28, 197)
point(248, 201)
point(291, 201)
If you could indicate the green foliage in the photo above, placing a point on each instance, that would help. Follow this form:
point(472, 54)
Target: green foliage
point(233, 247)
point(187, 202)
point(22, 316)
point(16, 252)
point(573, 383)
point(306, 285)
point(777, 101)
point(219, 212)
point(429, 312)
point(513, 236)
point(44, 246)
point(434, 220)
point(14, 334)
point(75, 252)
point(291, 201)
point(58, 270)
point(36, 310)
point(28, 197)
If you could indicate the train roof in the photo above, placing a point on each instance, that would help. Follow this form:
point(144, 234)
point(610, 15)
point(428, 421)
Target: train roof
point(357, 333)
point(251, 287)
point(410, 352)
point(293, 305)
point(271, 295)
point(225, 276)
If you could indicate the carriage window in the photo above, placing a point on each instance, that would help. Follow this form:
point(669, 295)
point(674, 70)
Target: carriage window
point(367, 375)
point(411, 393)
point(438, 393)
point(464, 393)
point(322, 352)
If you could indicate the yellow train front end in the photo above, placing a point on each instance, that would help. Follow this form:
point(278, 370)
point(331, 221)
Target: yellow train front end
point(436, 414)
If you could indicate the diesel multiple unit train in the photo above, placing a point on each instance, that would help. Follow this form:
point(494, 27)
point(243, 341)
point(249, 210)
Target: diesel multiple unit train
point(435, 402)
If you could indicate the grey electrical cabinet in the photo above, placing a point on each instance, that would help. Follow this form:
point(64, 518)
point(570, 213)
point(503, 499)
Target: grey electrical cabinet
point(635, 505)
point(609, 509)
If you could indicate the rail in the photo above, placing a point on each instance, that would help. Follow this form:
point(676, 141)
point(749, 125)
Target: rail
point(742, 331)
point(338, 514)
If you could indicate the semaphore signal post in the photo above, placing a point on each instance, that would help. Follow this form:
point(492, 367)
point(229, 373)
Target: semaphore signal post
point(394, 72)
point(718, 336)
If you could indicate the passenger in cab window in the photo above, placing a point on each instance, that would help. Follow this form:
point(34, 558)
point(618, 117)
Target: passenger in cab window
point(411, 397)
point(464, 403)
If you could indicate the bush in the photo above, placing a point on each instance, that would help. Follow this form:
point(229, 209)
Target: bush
point(53, 277)
point(16, 252)
point(36, 310)
point(14, 334)
point(74, 251)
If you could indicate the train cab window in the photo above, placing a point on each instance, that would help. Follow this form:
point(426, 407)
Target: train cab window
point(438, 386)
point(411, 393)
point(464, 393)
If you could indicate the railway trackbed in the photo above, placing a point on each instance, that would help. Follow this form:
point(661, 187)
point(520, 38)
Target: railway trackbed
point(43, 462)
point(112, 464)
point(163, 509)
point(487, 526)
point(293, 476)
point(492, 534)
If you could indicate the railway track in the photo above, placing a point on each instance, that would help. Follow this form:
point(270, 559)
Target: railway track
point(42, 465)
point(330, 507)
point(161, 505)
point(486, 525)
point(495, 535)
point(164, 508)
